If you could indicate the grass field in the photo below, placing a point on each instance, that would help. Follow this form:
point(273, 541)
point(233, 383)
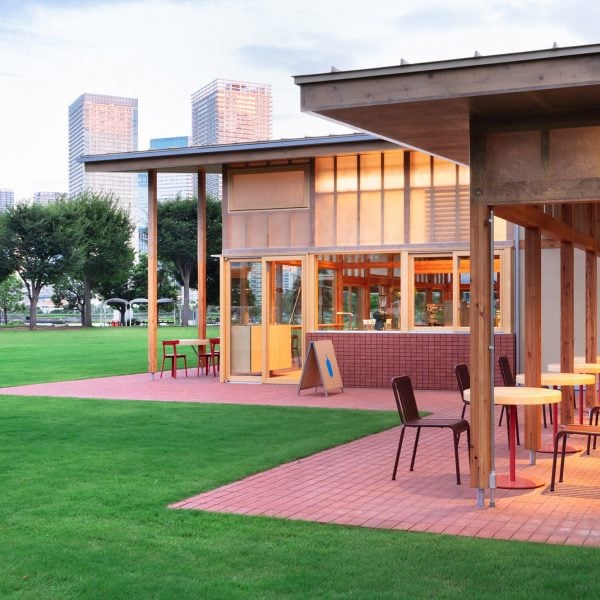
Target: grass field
point(86, 483)
point(58, 354)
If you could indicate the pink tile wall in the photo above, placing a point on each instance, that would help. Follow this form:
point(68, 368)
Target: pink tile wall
point(371, 359)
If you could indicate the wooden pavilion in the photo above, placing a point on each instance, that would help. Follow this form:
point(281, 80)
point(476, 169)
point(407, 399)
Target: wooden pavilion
point(528, 125)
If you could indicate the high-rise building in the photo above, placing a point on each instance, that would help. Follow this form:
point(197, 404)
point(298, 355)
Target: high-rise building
point(101, 124)
point(7, 199)
point(45, 197)
point(169, 186)
point(225, 112)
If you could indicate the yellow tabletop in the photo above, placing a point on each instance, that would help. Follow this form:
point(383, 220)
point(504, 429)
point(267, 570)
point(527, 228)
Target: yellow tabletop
point(581, 359)
point(561, 379)
point(193, 342)
point(522, 395)
point(577, 367)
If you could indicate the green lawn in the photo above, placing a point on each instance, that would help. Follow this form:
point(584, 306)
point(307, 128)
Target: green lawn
point(58, 354)
point(85, 484)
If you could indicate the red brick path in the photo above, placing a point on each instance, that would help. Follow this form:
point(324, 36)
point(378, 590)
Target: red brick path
point(351, 484)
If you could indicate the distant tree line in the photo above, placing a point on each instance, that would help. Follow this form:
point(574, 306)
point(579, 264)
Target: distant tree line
point(81, 245)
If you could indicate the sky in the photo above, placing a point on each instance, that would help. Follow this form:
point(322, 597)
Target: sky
point(161, 51)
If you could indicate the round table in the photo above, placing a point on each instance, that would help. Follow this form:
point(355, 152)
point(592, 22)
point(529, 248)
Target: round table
point(511, 397)
point(562, 379)
point(589, 368)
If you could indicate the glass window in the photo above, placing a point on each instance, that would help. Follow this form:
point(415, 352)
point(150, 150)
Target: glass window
point(359, 292)
point(245, 317)
point(433, 291)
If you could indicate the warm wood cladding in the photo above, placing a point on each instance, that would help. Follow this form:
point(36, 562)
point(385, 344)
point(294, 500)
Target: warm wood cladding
point(354, 200)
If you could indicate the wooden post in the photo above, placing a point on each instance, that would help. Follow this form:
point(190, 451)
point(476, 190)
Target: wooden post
point(533, 332)
point(591, 306)
point(480, 316)
point(567, 308)
point(201, 254)
point(152, 271)
point(480, 342)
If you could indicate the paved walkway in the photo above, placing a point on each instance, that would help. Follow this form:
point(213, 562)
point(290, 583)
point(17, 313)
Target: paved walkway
point(351, 484)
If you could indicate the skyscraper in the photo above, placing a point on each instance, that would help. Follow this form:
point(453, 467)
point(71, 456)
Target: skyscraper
point(7, 199)
point(225, 112)
point(45, 197)
point(100, 125)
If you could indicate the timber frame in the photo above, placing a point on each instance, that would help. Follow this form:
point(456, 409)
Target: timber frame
point(528, 125)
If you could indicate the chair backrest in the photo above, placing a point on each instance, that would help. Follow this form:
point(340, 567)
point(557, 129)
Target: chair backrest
point(405, 398)
point(507, 376)
point(215, 343)
point(170, 347)
point(464, 379)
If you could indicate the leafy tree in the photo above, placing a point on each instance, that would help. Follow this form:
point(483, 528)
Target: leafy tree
point(37, 243)
point(11, 296)
point(69, 290)
point(177, 244)
point(102, 235)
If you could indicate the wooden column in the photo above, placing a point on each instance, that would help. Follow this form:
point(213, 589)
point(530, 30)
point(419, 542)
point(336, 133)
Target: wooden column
point(533, 332)
point(591, 306)
point(480, 315)
point(567, 312)
point(201, 254)
point(152, 271)
point(480, 342)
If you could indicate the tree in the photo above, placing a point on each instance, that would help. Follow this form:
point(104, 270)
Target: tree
point(102, 235)
point(69, 290)
point(36, 243)
point(11, 296)
point(177, 244)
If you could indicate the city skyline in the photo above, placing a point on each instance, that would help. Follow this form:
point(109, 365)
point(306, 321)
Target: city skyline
point(161, 52)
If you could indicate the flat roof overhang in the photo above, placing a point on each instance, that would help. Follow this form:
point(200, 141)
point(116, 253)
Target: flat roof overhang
point(211, 159)
point(428, 106)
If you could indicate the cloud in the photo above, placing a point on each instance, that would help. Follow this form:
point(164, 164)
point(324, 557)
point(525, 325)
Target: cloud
point(291, 60)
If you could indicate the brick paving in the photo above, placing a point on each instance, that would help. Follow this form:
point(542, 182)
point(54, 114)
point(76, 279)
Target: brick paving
point(351, 484)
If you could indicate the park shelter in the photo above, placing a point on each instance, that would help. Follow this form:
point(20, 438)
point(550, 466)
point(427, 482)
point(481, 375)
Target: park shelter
point(528, 126)
point(349, 238)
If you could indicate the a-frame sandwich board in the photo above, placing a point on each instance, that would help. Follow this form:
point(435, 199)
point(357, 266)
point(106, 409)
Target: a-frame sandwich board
point(321, 367)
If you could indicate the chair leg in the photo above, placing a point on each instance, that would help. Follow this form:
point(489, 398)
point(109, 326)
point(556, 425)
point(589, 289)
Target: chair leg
point(456, 438)
point(562, 456)
point(517, 428)
point(185, 364)
point(462, 416)
point(162, 367)
point(398, 452)
point(544, 415)
point(554, 456)
point(414, 455)
point(501, 415)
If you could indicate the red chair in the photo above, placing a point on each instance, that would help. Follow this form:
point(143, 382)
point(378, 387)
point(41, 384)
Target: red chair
point(170, 353)
point(215, 355)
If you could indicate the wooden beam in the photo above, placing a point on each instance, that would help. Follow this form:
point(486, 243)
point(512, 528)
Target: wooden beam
point(201, 254)
point(550, 190)
point(533, 332)
point(152, 271)
point(567, 314)
point(533, 216)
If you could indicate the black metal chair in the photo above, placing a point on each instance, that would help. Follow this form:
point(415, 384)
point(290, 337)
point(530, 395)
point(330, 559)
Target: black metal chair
point(409, 417)
point(509, 381)
point(591, 431)
point(464, 383)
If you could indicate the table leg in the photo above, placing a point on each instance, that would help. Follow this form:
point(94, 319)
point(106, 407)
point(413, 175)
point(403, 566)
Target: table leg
point(549, 449)
point(512, 482)
point(581, 405)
